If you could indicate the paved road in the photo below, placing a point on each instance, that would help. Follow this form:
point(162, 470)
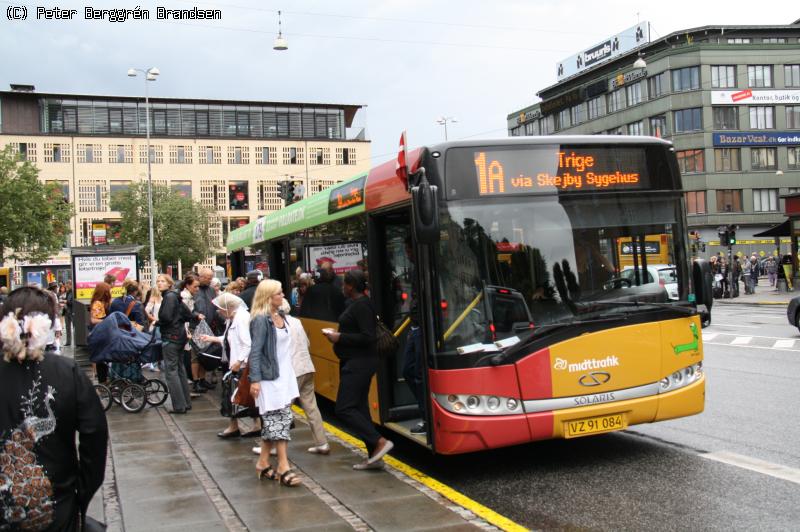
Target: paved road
point(662, 476)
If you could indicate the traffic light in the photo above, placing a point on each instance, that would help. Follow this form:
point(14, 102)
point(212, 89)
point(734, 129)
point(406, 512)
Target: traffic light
point(731, 235)
point(724, 236)
point(289, 192)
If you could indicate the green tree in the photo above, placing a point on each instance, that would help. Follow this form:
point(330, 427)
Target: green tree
point(34, 216)
point(180, 225)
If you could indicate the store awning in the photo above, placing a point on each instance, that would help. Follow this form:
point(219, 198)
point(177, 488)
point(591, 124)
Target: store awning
point(782, 229)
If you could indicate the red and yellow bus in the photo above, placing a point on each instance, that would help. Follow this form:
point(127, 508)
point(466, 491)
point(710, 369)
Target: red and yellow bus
point(508, 251)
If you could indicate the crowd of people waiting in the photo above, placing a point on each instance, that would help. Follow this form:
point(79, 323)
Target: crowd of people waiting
point(728, 273)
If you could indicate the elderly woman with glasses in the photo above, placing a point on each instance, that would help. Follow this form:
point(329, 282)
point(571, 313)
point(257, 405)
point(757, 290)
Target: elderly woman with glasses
point(236, 348)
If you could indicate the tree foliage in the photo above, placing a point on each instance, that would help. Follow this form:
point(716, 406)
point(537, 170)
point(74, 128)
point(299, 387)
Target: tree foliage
point(180, 224)
point(34, 216)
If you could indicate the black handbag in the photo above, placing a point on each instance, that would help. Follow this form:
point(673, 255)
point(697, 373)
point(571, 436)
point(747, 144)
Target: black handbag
point(386, 343)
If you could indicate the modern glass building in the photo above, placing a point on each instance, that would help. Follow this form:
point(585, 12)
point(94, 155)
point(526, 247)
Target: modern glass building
point(728, 97)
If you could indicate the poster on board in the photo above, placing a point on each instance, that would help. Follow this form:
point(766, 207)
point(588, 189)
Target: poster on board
point(344, 256)
point(91, 269)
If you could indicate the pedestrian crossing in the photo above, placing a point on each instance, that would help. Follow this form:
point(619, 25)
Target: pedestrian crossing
point(755, 341)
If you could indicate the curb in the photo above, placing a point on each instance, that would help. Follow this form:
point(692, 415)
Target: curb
point(754, 303)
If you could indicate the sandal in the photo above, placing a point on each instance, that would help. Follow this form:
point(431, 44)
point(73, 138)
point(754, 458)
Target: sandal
point(268, 472)
point(288, 479)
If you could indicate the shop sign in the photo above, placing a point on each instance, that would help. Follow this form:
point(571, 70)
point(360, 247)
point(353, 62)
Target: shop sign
point(741, 138)
point(751, 97)
point(611, 47)
point(624, 79)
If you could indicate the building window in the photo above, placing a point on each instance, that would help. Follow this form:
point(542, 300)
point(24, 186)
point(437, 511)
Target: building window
point(633, 94)
point(237, 196)
point(794, 158)
point(686, 79)
point(726, 117)
point(56, 153)
point(531, 128)
point(616, 131)
point(210, 154)
point(696, 202)
point(120, 154)
point(269, 196)
point(596, 107)
point(728, 159)
point(688, 120)
point(576, 114)
point(759, 75)
point(739, 40)
point(266, 155)
point(691, 161)
point(723, 76)
point(636, 128)
point(793, 116)
point(762, 117)
point(118, 187)
point(657, 85)
point(765, 199)
point(92, 196)
point(292, 156)
point(345, 156)
point(320, 156)
point(238, 155)
point(182, 188)
point(774, 40)
point(791, 75)
point(180, 154)
point(156, 154)
point(729, 200)
point(562, 119)
point(89, 153)
point(763, 159)
point(214, 195)
point(616, 101)
point(658, 126)
point(25, 150)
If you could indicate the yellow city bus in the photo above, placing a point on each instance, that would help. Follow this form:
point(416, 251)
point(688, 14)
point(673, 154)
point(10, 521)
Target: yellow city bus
point(5, 277)
point(509, 249)
point(656, 248)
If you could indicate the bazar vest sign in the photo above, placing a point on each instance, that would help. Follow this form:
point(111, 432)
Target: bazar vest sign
point(741, 138)
point(624, 79)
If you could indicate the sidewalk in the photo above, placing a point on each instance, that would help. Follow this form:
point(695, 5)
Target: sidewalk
point(765, 295)
point(173, 473)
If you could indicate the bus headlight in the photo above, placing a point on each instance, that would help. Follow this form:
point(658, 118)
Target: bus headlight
point(681, 378)
point(479, 405)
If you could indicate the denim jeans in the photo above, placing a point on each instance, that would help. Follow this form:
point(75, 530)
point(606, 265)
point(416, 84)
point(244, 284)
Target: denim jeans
point(413, 365)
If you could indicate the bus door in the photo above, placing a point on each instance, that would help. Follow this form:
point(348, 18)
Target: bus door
point(391, 272)
point(278, 257)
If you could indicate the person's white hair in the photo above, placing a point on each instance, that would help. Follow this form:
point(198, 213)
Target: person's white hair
point(215, 282)
point(229, 302)
point(285, 306)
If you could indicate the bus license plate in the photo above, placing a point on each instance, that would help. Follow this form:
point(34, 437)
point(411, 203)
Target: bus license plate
point(594, 425)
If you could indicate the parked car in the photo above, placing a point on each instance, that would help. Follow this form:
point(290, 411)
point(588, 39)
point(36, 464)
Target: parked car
point(664, 274)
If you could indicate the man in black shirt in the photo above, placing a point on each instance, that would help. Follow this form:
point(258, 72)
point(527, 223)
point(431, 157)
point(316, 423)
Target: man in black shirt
point(323, 301)
point(253, 278)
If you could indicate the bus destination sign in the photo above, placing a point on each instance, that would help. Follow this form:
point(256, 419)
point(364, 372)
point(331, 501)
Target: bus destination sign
point(559, 170)
point(346, 196)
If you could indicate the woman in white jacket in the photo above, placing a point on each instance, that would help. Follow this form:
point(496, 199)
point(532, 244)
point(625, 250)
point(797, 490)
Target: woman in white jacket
point(236, 347)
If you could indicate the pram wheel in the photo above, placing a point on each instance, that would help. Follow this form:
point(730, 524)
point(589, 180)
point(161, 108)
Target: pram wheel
point(133, 398)
point(104, 394)
point(116, 386)
point(156, 392)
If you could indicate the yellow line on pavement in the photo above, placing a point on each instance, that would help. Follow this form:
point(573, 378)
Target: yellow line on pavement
point(444, 490)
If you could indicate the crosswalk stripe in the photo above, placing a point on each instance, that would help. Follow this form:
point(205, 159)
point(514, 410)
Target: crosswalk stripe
point(707, 337)
point(741, 340)
point(784, 343)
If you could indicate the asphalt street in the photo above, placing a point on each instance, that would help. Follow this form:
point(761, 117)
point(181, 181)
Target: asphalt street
point(662, 476)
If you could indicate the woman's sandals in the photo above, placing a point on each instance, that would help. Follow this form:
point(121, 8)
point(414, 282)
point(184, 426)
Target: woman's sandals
point(268, 472)
point(290, 479)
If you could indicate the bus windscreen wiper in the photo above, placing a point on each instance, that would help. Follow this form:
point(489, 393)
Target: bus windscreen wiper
point(689, 311)
point(496, 359)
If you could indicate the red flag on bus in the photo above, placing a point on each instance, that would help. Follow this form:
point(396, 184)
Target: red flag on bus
point(401, 167)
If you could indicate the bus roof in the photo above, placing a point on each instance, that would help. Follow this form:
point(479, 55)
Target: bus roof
point(368, 191)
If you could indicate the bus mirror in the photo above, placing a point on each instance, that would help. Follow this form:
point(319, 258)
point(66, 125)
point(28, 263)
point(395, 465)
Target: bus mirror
point(702, 279)
point(425, 206)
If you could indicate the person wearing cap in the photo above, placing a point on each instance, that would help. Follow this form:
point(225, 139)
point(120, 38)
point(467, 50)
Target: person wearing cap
point(253, 278)
point(236, 348)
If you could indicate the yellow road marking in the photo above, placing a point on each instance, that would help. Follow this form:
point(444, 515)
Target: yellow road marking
point(489, 515)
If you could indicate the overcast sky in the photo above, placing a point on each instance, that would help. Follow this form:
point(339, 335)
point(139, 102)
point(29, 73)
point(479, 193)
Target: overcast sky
point(409, 61)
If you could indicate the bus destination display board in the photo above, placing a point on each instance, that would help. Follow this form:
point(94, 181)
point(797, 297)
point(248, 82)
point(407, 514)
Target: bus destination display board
point(346, 196)
point(559, 170)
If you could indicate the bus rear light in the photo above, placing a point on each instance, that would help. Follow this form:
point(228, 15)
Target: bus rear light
point(479, 405)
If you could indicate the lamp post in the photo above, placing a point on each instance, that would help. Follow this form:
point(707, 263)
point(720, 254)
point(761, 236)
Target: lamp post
point(443, 120)
point(149, 75)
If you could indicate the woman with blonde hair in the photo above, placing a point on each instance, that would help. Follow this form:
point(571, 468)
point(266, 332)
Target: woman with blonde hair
point(272, 380)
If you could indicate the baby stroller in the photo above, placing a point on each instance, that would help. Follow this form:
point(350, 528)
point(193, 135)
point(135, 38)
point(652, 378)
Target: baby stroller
point(116, 341)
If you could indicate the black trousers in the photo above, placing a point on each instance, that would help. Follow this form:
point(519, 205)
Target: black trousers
point(352, 399)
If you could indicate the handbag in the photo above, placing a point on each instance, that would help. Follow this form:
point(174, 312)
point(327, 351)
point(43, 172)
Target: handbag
point(386, 343)
point(243, 397)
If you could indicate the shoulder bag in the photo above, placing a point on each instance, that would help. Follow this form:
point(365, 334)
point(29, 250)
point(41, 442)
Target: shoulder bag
point(243, 397)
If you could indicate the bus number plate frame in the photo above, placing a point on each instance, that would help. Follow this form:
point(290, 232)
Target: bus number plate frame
point(576, 428)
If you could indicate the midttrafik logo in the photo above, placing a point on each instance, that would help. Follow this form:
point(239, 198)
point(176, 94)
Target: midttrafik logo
point(587, 364)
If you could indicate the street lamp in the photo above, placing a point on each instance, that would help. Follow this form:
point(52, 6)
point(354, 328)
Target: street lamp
point(443, 120)
point(149, 75)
